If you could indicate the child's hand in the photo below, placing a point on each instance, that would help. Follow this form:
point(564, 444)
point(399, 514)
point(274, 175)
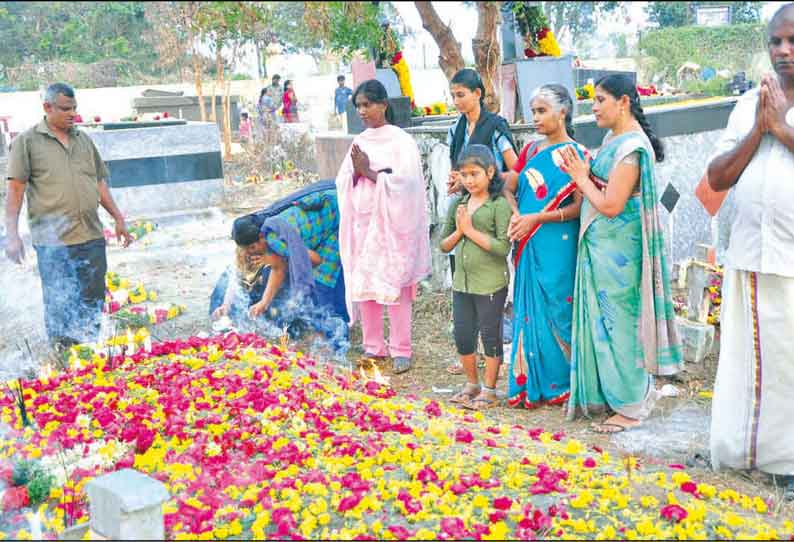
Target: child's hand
point(453, 182)
point(463, 219)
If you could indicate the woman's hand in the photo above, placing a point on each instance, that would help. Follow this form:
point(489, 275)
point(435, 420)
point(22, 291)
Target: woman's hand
point(220, 312)
point(360, 160)
point(453, 182)
point(573, 165)
point(463, 219)
point(257, 309)
point(521, 225)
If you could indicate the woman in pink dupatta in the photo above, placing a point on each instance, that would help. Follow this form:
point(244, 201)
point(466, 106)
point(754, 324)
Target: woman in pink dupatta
point(384, 239)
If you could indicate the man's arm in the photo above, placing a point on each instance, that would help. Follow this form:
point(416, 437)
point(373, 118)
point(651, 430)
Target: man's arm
point(106, 199)
point(15, 250)
point(724, 170)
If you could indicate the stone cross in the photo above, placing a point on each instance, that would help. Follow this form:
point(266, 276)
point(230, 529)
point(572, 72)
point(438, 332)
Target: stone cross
point(698, 276)
point(697, 336)
point(127, 505)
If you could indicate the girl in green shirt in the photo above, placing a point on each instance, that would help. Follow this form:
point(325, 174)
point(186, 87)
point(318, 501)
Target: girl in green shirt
point(476, 229)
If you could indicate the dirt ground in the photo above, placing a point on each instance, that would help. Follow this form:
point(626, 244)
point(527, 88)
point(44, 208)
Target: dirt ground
point(183, 257)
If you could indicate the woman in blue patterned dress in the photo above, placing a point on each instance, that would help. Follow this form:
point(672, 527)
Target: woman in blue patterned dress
point(288, 268)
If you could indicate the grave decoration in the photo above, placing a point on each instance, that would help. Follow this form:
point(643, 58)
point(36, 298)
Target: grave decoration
point(533, 24)
point(585, 92)
point(400, 67)
point(254, 440)
point(138, 230)
point(438, 108)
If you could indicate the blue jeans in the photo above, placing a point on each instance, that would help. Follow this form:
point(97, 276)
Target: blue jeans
point(73, 288)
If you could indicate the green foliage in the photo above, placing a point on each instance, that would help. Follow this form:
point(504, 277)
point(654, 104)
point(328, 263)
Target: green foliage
point(724, 47)
point(39, 488)
point(716, 86)
point(529, 17)
point(576, 17)
point(23, 472)
point(82, 32)
point(667, 14)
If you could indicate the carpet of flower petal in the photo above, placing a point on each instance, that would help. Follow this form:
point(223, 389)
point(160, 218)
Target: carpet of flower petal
point(255, 442)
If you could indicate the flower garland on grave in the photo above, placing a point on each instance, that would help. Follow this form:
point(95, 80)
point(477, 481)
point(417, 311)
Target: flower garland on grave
point(438, 108)
point(715, 295)
point(533, 24)
point(400, 67)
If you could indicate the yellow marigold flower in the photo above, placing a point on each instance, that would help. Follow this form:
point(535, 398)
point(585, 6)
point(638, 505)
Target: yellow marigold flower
point(607, 533)
point(649, 501)
point(759, 505)
point(680, 477)
point(499, 531)
point(574, 447)
point(425, 534)
point(480, 501)
point(583, 500)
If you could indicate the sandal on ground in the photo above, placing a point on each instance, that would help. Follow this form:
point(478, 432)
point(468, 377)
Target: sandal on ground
point(618, 428)
point(455, 368)
point(481, 402)
point(469, 392)
point(401, 364)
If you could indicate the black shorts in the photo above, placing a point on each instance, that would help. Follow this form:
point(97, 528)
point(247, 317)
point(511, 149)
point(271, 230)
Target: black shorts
point(475, 315)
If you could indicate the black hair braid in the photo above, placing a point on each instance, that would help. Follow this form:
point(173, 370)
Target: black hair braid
point(569, 124)
point(639, 114)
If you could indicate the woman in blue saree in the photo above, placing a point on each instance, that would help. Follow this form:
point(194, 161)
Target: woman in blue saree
point(545, 261)
point(623, 319)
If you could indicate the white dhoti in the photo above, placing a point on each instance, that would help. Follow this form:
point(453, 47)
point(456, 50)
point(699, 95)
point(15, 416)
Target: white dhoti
point(752, 418)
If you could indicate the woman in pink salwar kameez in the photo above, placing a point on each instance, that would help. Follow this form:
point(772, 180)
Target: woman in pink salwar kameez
point(384, 238)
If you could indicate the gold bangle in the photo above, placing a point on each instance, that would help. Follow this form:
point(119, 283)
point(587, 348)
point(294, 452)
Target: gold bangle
point(562, 216)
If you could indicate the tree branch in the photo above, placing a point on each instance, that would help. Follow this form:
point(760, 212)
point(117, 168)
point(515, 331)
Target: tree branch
point(450, 58)
point(487, 55)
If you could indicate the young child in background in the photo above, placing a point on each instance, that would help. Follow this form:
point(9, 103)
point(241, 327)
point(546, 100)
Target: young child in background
point(476, 229)
point(245, 127)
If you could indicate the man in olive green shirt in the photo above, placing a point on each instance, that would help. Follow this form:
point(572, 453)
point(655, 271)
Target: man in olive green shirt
point(60, 170)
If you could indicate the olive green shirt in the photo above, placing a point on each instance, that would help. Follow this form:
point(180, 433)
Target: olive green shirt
point(478, 271)
point(61, 184)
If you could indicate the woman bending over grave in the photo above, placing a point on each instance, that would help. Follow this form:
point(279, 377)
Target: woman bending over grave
point(287, 271)
point(623, 319)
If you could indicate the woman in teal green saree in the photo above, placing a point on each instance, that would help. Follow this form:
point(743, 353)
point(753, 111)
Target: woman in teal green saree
point(623, 328)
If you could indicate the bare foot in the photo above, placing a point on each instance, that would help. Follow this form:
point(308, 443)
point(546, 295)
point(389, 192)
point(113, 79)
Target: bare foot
point(616, 424)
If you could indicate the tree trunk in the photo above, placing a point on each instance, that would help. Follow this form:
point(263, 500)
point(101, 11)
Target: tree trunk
point(218, 81)
point(487, 55)
point(450, 58)
point(227, 123)
point(197, 75)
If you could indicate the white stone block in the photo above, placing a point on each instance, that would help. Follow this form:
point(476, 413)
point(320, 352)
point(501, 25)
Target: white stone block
point(127, 505)
point(696, 339)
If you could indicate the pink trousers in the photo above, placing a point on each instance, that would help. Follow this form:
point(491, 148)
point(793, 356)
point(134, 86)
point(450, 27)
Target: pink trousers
point(371, 313)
